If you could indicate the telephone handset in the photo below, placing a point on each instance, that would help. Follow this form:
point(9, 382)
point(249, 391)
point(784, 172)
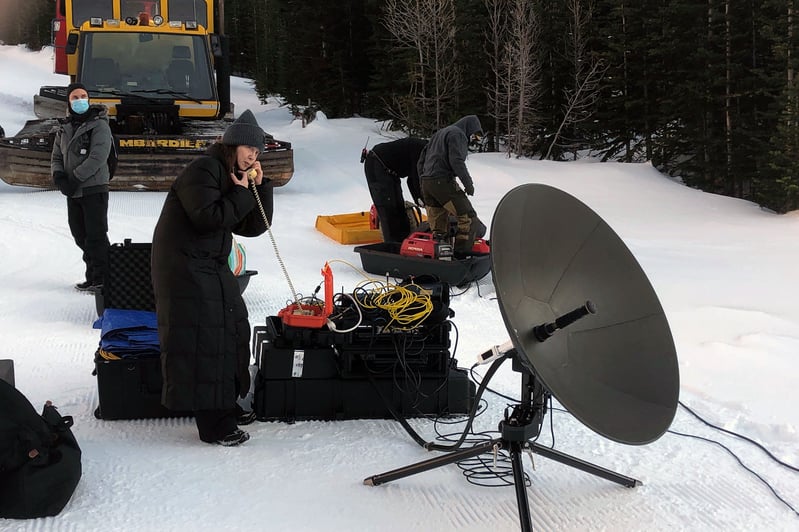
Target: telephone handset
point(252, 173)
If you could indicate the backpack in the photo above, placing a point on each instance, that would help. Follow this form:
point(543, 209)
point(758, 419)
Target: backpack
point(113, 158)
point(39, 458)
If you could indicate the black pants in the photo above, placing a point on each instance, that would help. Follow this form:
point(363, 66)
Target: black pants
point(213, 425)
point(88, 223)
point(386, 192)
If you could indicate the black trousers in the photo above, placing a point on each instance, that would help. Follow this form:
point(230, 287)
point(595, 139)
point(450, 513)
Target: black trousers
point(386, 192)
point(88, 223)
point(213, 425)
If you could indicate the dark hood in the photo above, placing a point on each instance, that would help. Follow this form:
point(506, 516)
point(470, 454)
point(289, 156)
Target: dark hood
point(470, 125)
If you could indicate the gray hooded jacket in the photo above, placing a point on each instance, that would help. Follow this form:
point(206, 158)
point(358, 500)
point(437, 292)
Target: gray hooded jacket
point(82, 151)
point(447, 150)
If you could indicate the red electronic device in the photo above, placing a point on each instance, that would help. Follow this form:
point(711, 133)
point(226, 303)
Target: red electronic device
point(311, 316)
point(481, 247)
point(424, 245)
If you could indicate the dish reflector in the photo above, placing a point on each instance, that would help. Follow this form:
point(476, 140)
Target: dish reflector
point(616, 371)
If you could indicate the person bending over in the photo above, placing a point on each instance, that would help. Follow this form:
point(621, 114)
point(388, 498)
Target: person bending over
point(443, 160)
point(385, 166)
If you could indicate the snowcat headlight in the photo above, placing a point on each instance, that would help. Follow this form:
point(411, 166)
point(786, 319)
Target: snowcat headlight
point(131, 21)
point(191, 24)
point(158, 20)
point(175, 23)
point(96, 22)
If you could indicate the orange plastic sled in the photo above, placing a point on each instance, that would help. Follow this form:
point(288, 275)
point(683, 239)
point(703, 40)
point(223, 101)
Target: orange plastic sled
point(352, 228)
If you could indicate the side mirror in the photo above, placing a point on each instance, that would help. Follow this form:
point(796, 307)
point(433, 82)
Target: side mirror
point(72, 43)
point(216, 46)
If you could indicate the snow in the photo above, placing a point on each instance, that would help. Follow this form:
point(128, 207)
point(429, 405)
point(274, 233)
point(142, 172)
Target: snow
point(723, 269)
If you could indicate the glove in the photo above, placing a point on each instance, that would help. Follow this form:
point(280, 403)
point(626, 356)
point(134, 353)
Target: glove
point(469, 189)
point(66, 185)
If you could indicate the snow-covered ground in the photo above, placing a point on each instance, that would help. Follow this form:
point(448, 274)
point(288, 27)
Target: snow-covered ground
point(724, 270)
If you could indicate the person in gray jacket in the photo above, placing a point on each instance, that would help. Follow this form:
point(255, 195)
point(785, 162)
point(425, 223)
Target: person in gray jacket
point(80, 171)
point(443, 160)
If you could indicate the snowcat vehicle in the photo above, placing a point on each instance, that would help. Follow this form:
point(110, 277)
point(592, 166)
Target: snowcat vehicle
point(164, 75)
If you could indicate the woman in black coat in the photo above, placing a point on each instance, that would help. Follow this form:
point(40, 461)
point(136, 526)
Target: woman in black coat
point(202, 320)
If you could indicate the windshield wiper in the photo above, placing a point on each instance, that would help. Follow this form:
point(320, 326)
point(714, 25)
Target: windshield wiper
point(171, 93)
point(117, 92)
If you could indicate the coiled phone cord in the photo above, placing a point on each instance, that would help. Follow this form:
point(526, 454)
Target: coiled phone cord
point(294, 293)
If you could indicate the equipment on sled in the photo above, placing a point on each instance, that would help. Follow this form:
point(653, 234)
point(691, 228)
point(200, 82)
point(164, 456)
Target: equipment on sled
point(422, 254)
point(428, 245)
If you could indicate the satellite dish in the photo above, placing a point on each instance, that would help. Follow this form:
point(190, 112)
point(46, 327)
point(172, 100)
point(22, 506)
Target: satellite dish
point(616, 370)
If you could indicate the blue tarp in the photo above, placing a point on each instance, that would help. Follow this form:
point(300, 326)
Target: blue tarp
point(128, 333)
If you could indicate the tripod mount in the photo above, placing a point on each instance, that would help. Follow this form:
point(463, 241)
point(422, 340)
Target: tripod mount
point(519, 429)
point(616, 372)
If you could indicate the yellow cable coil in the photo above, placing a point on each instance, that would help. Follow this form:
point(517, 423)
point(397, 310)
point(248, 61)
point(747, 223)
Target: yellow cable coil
point(406, 308)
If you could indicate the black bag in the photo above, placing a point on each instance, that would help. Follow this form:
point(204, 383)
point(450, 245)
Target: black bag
point(113, 158)
point(40, 460)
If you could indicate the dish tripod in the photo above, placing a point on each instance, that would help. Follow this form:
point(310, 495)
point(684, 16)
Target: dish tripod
point(519, 427)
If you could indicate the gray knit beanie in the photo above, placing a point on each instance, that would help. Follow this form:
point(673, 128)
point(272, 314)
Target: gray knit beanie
point(245, 131)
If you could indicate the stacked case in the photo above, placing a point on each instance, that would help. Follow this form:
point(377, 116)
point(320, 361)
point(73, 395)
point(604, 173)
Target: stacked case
point(363, 374)
point(129, 388)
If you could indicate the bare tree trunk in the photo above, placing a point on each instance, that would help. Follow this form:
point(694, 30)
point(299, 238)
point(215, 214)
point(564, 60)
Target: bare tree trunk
point(525, 70)
point(495, 37)
point(446, 73)
point(727, 93)
point(427, 27)
point(587, 72)
point(627, 140)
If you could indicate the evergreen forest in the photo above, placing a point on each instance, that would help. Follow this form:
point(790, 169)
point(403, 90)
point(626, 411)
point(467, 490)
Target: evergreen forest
point(704, 89)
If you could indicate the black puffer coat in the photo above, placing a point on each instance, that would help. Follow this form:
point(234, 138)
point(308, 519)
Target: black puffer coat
point(202, 320)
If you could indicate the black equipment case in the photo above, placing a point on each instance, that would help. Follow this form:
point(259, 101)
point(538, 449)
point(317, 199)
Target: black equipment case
point(308, 374)
point(129, 388)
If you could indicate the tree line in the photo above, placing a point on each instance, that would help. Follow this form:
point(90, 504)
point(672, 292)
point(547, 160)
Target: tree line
point(705, 90)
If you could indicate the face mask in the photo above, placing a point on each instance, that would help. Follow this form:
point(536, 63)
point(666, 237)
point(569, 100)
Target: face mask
point(80, 106)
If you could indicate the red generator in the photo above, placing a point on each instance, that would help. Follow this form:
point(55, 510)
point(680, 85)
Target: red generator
point(424, 245)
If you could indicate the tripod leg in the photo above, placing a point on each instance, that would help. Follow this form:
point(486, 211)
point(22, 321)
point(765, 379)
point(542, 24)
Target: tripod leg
point(426, 465)
point(582, 465)
point(525, 522)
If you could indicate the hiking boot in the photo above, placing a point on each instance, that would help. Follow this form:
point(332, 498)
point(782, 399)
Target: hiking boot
point(237, 437)
point(83, 286)
point(245, 418)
